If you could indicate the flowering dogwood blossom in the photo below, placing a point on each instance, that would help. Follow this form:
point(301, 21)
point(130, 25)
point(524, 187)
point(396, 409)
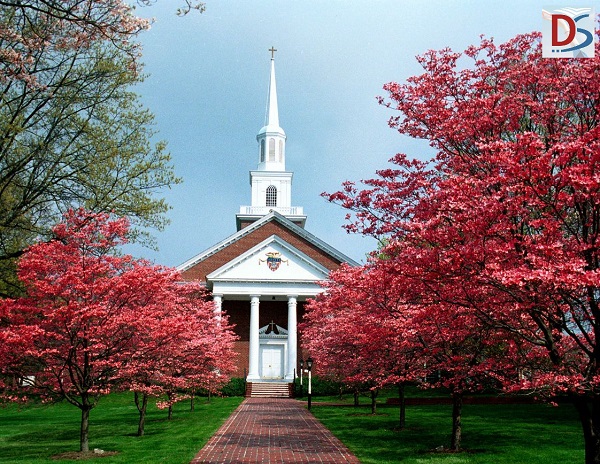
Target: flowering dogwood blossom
point(500, 229)
point(93, 321)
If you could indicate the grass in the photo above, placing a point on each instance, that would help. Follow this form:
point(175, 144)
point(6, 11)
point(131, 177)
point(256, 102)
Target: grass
point(499, 434)
point(34, 434)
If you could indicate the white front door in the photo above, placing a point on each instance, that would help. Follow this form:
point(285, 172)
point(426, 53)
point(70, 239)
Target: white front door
point(272, 361)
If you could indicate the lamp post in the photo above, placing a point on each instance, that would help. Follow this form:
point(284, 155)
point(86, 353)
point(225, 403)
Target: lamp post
point(301, 376)
point(309, 365)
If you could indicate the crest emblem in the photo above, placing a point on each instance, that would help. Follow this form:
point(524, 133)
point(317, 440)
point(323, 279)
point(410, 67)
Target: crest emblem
point(273, 260)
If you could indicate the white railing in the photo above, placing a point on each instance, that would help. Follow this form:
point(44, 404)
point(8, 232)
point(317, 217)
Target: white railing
point(262, 210)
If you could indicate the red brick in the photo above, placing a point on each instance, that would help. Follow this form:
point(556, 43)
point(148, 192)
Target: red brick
point(271, 430)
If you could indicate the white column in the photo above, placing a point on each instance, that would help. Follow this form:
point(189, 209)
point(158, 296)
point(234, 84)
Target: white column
point(292, 352)
point(253, 373)
point(218, 300)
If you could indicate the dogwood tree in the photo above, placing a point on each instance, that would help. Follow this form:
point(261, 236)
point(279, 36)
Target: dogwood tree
point(379, 324)
point(35, 25)
point(504, 221)
point(194, 353)
point(91, 318)
point(356, 326)
point(190, 350)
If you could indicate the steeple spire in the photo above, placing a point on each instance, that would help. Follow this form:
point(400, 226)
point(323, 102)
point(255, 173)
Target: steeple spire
point(271, 184)
point(271, 138)
point(272, 114)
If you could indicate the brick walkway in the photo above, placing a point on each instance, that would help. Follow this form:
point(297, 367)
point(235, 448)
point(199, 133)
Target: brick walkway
point(269, 430)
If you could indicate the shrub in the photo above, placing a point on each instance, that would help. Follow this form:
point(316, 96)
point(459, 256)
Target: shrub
point(235, 387)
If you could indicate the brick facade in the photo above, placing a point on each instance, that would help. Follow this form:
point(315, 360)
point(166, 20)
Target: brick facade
point(270, 310)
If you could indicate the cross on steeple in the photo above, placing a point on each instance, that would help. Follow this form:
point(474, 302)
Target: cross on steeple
point(272, 50)
point(272, 324)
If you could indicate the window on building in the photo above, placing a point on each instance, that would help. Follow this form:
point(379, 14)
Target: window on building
point(281, 151)
point(271, 149)
point(262, 151)
point(271, 195)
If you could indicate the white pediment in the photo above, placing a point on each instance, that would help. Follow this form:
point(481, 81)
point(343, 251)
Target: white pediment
point(272, 260)
point(272, 331)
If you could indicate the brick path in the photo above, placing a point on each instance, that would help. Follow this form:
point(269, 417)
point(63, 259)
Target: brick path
point(270, 430)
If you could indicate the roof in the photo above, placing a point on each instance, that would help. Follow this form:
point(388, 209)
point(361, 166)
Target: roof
point(272, 217)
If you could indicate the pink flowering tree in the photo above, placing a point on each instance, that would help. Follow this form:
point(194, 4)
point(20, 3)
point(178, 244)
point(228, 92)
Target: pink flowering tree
point(29, 28)
point(503, 224)
point(377, 325)
point(201, 358)
point(90, 316)
point(354, 326)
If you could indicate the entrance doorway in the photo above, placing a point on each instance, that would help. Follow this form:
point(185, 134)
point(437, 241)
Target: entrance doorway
point(271, 361)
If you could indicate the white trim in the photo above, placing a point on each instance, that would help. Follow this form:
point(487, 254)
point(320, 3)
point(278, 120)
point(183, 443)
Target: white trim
point(241, 290)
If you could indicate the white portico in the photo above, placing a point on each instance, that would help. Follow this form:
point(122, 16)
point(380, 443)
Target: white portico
point(272, 270)
point(262, 275)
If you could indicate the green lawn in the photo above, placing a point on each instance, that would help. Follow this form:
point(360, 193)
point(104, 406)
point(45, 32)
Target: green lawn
point(492, 434)
point(498, 434)
point(34, 434)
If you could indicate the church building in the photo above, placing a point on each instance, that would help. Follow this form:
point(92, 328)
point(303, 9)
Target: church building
point(262, 275)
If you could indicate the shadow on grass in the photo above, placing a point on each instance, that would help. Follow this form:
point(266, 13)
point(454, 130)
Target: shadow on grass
point(502, 434)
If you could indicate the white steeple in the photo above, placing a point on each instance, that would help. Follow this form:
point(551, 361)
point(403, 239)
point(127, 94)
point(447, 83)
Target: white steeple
point(271, 138)
point(271, 183)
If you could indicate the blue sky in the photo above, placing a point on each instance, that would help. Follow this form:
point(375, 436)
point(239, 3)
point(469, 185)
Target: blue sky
point(207, 85)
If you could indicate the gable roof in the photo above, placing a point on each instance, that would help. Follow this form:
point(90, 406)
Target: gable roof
point(298, 266)
point(250, 232)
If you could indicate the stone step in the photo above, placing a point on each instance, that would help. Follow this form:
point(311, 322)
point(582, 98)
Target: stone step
point(268, 390)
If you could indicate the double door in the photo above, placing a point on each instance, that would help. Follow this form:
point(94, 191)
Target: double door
point(271, 361)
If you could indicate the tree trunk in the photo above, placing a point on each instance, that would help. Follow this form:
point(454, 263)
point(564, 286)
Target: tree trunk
point(402, 398)
point(356, 403)
point(170, 396)
point(141, 406)
point(589, 415)
point(192, 401)
point(374, 401)
point(457, 401)
point(84, 443)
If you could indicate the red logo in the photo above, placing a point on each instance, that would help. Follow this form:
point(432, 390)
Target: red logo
point(568, 33)
point(571, 28)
